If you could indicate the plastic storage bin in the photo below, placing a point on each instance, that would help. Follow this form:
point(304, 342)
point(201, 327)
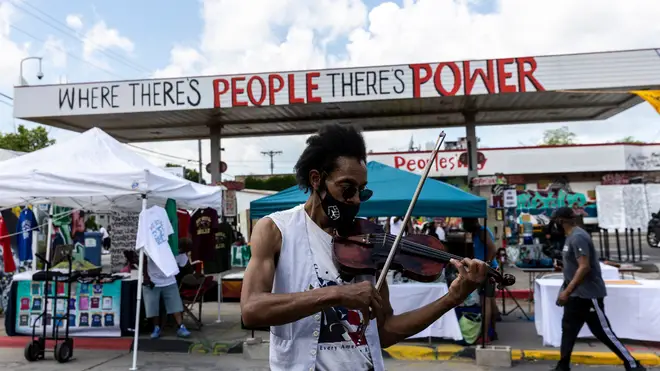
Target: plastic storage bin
point(93, 247)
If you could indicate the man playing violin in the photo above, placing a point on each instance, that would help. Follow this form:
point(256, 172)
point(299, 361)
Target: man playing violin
point(292, 284)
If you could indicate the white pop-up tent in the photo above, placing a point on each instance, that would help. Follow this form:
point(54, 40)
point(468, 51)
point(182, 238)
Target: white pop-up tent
point(96, 172)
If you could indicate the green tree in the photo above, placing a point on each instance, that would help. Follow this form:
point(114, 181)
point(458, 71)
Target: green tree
point(26, 140)
point(629, 139)
point(558, 137)
point(190, 174)
point(274, 183)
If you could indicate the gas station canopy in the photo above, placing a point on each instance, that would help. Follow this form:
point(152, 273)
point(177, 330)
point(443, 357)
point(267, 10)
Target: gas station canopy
point(490, 92)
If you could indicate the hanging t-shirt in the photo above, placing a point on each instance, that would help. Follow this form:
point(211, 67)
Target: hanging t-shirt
point(170, 208)
point(153, 230)
point(224, 238)
point(184, 223)
point(240, 255)
point(338, 347)
point(5, 244)
point(26, 224)
point(203, 227)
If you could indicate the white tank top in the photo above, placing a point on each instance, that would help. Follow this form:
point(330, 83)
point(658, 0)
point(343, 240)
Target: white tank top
point(327, 340)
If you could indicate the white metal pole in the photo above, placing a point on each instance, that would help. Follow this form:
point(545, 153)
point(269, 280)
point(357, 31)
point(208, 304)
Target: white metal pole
point(136, 336)
point(219, 296)
point(35, 246)
point(49, 232)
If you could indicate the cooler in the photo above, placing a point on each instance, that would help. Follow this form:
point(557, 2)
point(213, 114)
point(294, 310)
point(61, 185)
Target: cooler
point(93, 247)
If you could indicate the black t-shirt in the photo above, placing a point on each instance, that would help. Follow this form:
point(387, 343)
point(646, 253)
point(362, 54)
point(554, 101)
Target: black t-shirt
point(224, 238)
point(203, 227)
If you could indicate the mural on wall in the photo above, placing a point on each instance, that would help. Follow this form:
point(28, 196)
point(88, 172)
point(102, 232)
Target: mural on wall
point(552, 195)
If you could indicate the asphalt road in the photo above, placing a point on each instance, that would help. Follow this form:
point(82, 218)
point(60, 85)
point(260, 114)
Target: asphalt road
point(12, 359)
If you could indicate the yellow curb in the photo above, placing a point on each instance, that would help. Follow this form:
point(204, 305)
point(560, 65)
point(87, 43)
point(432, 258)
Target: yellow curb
point(411, 353)
point(516, 354)
point(446, 352)
point(588, 358)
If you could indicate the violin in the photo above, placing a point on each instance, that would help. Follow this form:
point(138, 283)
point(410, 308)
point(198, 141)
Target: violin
point(422, 258)
point(419, 257)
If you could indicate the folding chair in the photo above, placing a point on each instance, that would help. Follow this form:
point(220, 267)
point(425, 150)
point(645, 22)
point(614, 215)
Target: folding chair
point(192, 290)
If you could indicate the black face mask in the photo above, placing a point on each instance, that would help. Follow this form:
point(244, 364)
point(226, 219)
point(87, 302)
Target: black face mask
point(559, 228)
point(341, 214)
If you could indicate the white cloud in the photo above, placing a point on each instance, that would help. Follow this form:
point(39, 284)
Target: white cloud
point(101, 37)
point(54, 52)
point(12, 53)
point(246, 36)
point(74, 21)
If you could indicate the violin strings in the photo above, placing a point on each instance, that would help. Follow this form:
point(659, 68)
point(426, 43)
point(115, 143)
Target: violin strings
point(422, 249)
point(416, 247)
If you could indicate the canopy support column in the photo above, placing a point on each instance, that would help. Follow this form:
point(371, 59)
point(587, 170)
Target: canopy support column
point(216, 135)
point(471, 136)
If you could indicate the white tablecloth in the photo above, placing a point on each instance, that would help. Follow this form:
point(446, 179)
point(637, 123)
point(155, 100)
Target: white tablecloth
point(633, 311)
point(609, 272)
point(410, 296)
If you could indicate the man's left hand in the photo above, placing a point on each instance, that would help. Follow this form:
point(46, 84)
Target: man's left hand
point(562, 299)
point(471, 275)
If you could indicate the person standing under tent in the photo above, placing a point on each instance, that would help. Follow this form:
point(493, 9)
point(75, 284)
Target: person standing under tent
point(582, 294)
point(486, 252)
point(292, 284)
point(161, 268)
point(105, 238)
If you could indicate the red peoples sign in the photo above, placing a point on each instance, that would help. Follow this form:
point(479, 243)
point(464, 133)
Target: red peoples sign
point(451, 164)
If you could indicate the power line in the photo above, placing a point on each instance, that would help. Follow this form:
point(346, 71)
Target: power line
point(272, 154)
point(67, 31)
point(66, 52)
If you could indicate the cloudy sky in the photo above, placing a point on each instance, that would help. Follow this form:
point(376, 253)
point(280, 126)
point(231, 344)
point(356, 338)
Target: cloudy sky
point(92, 40)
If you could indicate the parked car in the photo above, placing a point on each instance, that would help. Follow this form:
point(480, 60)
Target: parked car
point(653, 230)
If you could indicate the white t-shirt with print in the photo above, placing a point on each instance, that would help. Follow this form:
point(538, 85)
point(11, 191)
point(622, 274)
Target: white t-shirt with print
point(337, 348)
point(154, 228)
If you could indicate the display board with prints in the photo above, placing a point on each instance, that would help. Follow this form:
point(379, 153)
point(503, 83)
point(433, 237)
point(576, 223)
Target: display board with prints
point(123, 233)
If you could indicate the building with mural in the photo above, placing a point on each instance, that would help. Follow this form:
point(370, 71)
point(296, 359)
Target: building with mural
point(544, 177)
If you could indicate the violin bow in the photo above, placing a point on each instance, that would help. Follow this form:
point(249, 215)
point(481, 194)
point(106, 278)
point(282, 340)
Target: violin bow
point(406, 219)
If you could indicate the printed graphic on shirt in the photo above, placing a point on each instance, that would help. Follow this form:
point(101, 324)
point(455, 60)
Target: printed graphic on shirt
point(157, 230)
point(339, 338)
point(340, 324)
point(26, 228)
point(203, 224)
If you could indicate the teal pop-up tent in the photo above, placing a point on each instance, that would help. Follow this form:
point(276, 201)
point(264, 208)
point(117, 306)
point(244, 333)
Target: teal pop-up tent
point(393, 190)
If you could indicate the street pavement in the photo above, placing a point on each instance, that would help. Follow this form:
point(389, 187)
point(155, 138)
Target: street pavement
point(12, 359)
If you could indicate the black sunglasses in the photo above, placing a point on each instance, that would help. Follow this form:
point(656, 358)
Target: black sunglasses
point(363, 194)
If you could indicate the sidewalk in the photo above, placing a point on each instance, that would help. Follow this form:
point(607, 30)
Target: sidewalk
point(228, 337)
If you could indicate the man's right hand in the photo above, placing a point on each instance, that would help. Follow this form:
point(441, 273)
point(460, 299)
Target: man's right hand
point(361, 296)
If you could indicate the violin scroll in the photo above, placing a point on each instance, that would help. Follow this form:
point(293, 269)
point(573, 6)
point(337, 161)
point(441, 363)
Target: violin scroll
point(506, 281)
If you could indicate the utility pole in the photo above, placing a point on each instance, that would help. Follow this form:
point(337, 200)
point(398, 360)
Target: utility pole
point(271, 154)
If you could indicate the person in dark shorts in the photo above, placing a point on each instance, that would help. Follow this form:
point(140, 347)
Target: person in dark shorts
point(485, 252)
point(582, 294)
